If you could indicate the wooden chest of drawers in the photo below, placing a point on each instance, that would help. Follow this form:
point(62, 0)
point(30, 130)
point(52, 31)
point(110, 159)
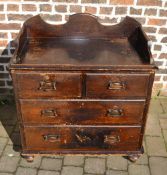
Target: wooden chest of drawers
point(81, 87)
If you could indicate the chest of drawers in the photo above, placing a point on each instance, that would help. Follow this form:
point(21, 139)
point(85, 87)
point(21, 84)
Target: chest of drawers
point(81, 87)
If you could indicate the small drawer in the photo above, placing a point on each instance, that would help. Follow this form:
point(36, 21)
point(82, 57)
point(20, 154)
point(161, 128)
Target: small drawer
point(49, 85)
point(116, 85)
point(82, 138)
point(82, 112)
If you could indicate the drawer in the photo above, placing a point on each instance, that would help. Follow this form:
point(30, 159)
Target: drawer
point(49, 85)
point(82, 112)
point(116, 85)
point(82, 138)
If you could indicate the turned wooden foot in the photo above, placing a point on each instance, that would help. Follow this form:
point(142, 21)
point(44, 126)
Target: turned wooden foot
point(133, 158)
point(29, 158)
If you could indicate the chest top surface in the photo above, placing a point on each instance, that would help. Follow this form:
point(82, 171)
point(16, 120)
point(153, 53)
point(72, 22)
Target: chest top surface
point(81, 43)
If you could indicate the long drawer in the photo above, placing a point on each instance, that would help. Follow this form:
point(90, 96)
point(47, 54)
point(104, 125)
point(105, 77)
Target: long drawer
point(82, 138)
point(49, 85)
point(81, 112)
point(108, 85)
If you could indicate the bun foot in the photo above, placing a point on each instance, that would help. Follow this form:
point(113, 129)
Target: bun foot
point(29, 158)
point(134, 158)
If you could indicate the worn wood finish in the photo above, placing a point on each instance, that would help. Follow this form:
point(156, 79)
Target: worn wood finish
point(81, 112)
point(49, 85)
point(73, 51)
point(78, 138)
point(116, 85)
point(82, 87)
point(81, 45)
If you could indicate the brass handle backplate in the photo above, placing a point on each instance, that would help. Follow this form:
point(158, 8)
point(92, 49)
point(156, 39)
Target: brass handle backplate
point(47, 85)
point(52, 137)
point(49, 113)
point(115, 112)
point(111, 139)
point(116, 85)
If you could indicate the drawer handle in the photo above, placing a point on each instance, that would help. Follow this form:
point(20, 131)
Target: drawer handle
point(52, 138)
point(111, 139)
point(115, 112)
point(116, 85)
point(47, 85)
point(49, 113)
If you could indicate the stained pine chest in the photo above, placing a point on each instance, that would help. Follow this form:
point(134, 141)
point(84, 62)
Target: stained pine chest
point(82, 87)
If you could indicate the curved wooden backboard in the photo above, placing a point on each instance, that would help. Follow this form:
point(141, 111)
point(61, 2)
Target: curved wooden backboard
point(81, 24)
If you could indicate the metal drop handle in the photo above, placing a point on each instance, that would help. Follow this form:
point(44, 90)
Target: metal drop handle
point(47, 85)
point(116, 85)
point(115, 112)
point(52, 113)
point(52, 137)
point(111, 139)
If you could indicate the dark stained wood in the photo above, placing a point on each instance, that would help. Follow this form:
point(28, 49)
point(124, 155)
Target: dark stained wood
point(81, 112)
point(116, 85)
point(152, 75)
point(78, 44)
point(41, 85)
point(82, 87)
point(79, 51)
point(81, 152)
point(82, 138)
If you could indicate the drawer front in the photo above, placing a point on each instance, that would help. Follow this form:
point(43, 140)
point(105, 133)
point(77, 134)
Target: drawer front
point(116, 85)
point(82, 112)
point(45, 85)
point(82, 138)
